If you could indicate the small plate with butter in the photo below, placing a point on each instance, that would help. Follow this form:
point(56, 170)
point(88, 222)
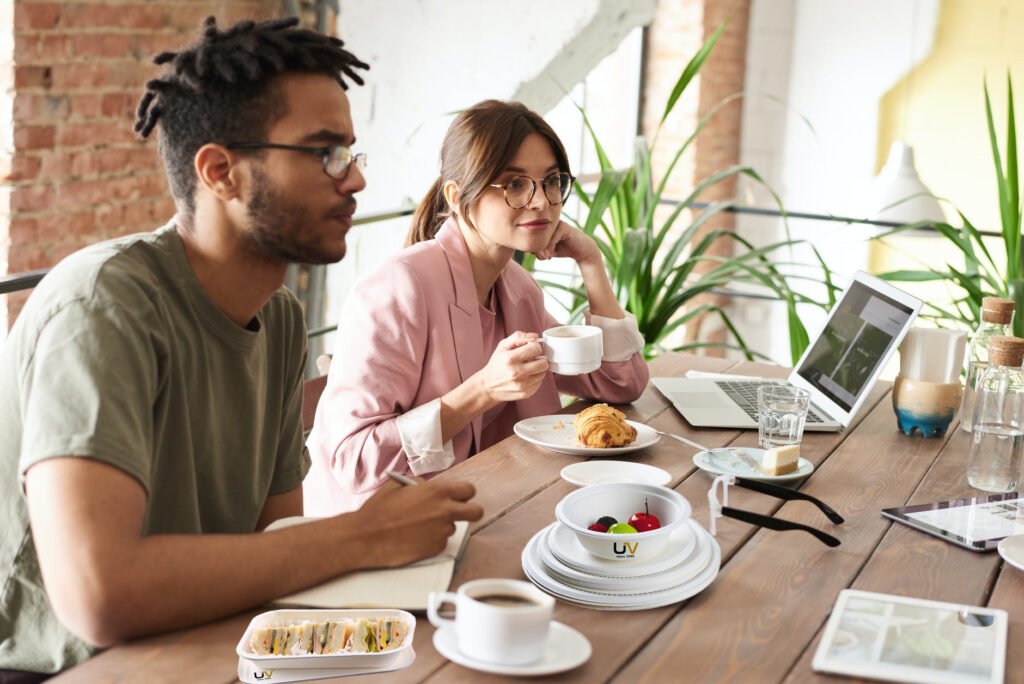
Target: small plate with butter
point(747, 462)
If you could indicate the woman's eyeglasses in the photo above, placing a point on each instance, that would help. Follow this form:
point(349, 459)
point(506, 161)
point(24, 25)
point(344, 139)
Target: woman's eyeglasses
point(337, 158)
point(519, 190)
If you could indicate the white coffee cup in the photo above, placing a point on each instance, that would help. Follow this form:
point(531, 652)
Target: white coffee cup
point(573, 349)
point(498, 621)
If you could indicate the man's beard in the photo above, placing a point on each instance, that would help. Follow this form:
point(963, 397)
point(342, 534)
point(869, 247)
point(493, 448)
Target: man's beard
point(282, 230)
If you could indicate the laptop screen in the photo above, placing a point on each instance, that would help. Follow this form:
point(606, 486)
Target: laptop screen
point(857, 338)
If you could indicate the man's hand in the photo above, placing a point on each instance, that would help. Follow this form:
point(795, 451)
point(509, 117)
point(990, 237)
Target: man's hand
point(406, 524)
point(107, 582)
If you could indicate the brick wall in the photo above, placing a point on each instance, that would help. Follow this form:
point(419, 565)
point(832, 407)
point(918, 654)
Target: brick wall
point(71, 72)
point(678, 31)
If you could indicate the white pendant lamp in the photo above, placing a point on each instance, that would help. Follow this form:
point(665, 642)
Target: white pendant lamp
point(898, 195)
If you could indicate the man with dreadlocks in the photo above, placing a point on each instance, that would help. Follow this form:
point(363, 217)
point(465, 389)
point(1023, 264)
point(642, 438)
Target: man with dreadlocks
point(150, 391)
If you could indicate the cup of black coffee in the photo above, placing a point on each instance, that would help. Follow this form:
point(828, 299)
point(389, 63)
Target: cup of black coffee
point(498, 621)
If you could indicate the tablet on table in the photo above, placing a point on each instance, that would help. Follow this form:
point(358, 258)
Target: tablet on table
point(977, 524)
point(898, 638)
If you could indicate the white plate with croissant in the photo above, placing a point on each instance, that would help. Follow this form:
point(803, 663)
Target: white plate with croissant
point(599, 427)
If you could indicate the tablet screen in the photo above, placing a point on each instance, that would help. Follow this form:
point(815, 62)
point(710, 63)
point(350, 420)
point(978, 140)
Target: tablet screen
point(913, 640)
point(978, 523)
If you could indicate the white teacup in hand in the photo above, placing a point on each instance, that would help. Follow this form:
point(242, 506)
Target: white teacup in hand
point(499, 621)
point(574, 349)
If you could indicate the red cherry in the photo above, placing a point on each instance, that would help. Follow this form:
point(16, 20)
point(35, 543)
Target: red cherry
point(598, 527)
point(644, 522)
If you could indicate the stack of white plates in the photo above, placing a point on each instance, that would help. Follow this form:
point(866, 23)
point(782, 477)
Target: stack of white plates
point(556, 562)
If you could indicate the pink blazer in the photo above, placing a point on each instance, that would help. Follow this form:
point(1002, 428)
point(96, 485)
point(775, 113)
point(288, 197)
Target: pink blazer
point(409, 333)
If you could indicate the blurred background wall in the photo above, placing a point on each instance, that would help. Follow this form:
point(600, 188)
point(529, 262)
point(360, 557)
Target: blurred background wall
point(827, 86)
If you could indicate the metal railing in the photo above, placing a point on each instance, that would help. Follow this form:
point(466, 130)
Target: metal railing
point(21, 281)
point(26, 281)
point(775, 213)
point(736, 209)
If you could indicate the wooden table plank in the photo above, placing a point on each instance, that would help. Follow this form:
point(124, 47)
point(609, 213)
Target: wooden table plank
point(786, 582)
point(1009, 595)
point(527, 472)
point(495, 552)
point(200, 654)
point(616, 635)
point(911, 563)
point(761, 618)
point(815, 447)
point(488, 553)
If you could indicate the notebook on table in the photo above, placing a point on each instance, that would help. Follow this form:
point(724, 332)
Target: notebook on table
point(406, 587)
point(839, 367)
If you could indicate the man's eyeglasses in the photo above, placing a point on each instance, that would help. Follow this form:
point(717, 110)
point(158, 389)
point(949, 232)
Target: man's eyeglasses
point(519, 190)
point(720, 509)
point(337, 158)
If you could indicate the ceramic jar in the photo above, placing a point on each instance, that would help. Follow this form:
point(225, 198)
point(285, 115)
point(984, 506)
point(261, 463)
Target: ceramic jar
point(928, 407)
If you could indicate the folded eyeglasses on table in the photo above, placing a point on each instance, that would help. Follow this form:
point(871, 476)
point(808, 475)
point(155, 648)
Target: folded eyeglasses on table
point(720, 509)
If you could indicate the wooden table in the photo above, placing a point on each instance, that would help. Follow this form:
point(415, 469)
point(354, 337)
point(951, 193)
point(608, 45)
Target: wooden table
point(760, 621)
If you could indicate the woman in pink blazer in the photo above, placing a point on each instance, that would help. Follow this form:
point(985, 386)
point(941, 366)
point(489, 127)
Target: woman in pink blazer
point(438, 352)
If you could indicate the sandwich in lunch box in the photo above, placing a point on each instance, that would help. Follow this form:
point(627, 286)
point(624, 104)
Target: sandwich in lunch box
point(363, 635)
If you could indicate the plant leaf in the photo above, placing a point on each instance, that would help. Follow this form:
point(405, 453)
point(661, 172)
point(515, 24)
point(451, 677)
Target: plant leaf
point(694, 65)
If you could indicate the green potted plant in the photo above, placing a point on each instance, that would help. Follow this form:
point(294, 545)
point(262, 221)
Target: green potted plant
point(658, 270)
point(981, 274)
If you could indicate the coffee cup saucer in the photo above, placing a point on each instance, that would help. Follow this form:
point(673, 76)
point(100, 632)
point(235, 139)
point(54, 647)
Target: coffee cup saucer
point(566, 648)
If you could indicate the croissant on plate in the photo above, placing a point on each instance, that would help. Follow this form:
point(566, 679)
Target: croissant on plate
point(602, 426)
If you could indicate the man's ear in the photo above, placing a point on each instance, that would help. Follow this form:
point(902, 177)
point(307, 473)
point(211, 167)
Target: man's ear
point(217, 171)
point(451, 196)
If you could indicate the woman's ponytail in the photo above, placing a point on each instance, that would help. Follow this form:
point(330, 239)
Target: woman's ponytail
point(430, 214)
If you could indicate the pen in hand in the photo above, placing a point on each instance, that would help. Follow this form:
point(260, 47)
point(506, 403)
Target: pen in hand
point(401, 479)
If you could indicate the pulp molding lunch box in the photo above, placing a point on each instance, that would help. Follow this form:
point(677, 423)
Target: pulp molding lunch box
point(282, 618)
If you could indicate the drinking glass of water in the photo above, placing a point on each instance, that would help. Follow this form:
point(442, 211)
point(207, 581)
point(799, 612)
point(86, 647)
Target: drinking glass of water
point(781, 413)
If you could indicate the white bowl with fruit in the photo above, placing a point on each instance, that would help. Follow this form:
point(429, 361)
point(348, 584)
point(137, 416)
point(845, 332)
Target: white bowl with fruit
point(623, 520)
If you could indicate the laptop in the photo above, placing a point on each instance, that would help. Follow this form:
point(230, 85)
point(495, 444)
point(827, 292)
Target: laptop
point(839, 367)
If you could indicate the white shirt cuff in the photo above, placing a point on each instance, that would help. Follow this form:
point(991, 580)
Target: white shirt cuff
point(622, 338)
point(420, 431)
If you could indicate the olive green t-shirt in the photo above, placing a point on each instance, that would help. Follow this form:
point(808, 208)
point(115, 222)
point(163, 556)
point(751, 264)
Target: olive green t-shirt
point(120, 356)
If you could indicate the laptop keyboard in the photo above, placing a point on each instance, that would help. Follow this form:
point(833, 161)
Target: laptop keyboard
point(745, 396)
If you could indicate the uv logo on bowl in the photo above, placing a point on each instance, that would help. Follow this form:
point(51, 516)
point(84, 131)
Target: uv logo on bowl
point(625, 549)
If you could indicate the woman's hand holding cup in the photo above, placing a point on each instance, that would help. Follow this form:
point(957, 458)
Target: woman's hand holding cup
point(516, 368)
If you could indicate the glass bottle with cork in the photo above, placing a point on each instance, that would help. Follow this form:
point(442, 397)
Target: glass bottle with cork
point(997, 444)
point(996, 315)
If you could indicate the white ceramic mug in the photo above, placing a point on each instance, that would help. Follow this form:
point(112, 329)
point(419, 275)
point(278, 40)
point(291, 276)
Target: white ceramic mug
point(573, 349)
point(932, 355)
point(498, 621)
